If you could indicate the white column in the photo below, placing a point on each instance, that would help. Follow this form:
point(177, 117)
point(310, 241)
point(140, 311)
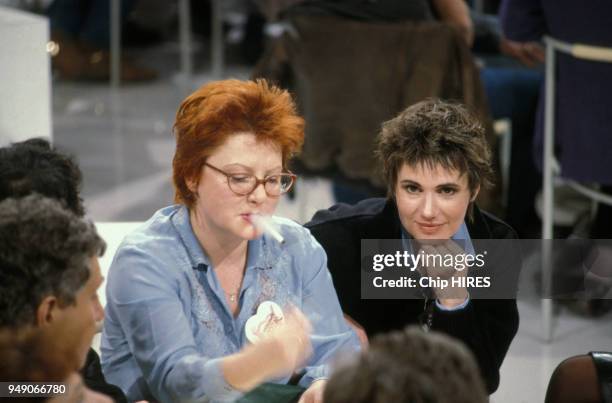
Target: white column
point(25, 77)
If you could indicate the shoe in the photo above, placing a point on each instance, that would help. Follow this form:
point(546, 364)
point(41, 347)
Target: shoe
point(97, 68)
point(67, 59)
point(81, 62)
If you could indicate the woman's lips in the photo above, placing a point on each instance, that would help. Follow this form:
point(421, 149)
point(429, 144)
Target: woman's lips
point(248, 217)
point(429, 228)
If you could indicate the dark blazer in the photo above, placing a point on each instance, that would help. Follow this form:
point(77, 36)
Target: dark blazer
point(486, 326)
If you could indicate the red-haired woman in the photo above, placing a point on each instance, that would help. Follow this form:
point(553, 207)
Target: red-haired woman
point(201, 304)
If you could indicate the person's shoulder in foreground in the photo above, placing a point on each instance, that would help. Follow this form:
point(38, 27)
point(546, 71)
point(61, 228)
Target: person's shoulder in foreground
point(415, 366)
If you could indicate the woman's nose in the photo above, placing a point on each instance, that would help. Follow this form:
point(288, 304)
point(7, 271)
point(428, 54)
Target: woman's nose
point(428, 207)
point(98, 310)
point(258, 195)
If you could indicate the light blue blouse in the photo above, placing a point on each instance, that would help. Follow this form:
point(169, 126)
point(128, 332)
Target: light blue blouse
point(167, 322)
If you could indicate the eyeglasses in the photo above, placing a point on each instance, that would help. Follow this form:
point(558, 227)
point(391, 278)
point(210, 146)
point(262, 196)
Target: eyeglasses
point(243, 184)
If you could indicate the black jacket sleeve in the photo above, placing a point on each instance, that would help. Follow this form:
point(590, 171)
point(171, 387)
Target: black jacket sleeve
point(487, 327)
point(94, 379)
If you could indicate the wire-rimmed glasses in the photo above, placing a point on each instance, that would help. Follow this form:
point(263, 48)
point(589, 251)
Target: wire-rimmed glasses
point(243, 184)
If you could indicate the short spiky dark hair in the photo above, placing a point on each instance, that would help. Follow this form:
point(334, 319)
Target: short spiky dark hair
point(45, 250)
point(34, 166)
point(409, 366)
point(435, 132)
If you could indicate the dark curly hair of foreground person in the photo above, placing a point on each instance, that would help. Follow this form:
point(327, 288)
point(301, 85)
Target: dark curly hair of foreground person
point(35, 166)
point(61, 245)
point(409, 366)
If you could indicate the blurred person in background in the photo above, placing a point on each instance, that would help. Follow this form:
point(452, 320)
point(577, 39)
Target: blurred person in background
point(408, 50)
point(583, 89)
point(511, 89)
point(81, 29)
point(511, 73)
point(582, 98)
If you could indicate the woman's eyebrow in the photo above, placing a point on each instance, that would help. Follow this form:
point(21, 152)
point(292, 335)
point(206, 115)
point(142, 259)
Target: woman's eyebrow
point(236, 165)
point(409, 182)
point(448, 185)
point(276, 170)
point(250, 169)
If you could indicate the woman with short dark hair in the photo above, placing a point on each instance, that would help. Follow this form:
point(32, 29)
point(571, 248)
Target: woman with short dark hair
point(435, 159)
point(436, 134)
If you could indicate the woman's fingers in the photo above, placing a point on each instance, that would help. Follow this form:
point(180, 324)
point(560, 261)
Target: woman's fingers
point(291, 340)
point(295, 315)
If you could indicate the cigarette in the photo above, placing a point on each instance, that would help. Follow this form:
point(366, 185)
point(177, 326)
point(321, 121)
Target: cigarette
point(263, 224)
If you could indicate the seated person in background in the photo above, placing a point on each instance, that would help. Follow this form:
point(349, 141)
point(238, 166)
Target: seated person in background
point(435, 160)
point(33, 166)
point(185, 290)
point(81, 30)
point(49, 276)
point(409, 366)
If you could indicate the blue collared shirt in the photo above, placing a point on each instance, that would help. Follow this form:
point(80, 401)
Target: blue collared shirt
point(168, 325)
point(463, 235)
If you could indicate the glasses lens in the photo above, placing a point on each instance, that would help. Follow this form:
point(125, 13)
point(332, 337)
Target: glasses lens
point(242, 184)
point(273, 185)
point(278, 184)
point(286, 182)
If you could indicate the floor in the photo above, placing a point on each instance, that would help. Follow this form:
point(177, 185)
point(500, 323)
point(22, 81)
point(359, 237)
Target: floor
point(124, 144)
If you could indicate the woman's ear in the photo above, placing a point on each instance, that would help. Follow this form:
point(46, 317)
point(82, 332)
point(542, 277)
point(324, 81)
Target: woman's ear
point(192, 184)
point(475, 194)
point(46, 311)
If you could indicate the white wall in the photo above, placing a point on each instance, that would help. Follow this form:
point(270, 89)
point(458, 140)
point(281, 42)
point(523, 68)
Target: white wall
point(25, 77)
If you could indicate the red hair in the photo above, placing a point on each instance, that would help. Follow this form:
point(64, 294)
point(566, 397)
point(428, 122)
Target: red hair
point(219, 109)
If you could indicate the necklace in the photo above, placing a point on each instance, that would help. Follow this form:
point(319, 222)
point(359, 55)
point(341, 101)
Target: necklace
point(232, 295)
